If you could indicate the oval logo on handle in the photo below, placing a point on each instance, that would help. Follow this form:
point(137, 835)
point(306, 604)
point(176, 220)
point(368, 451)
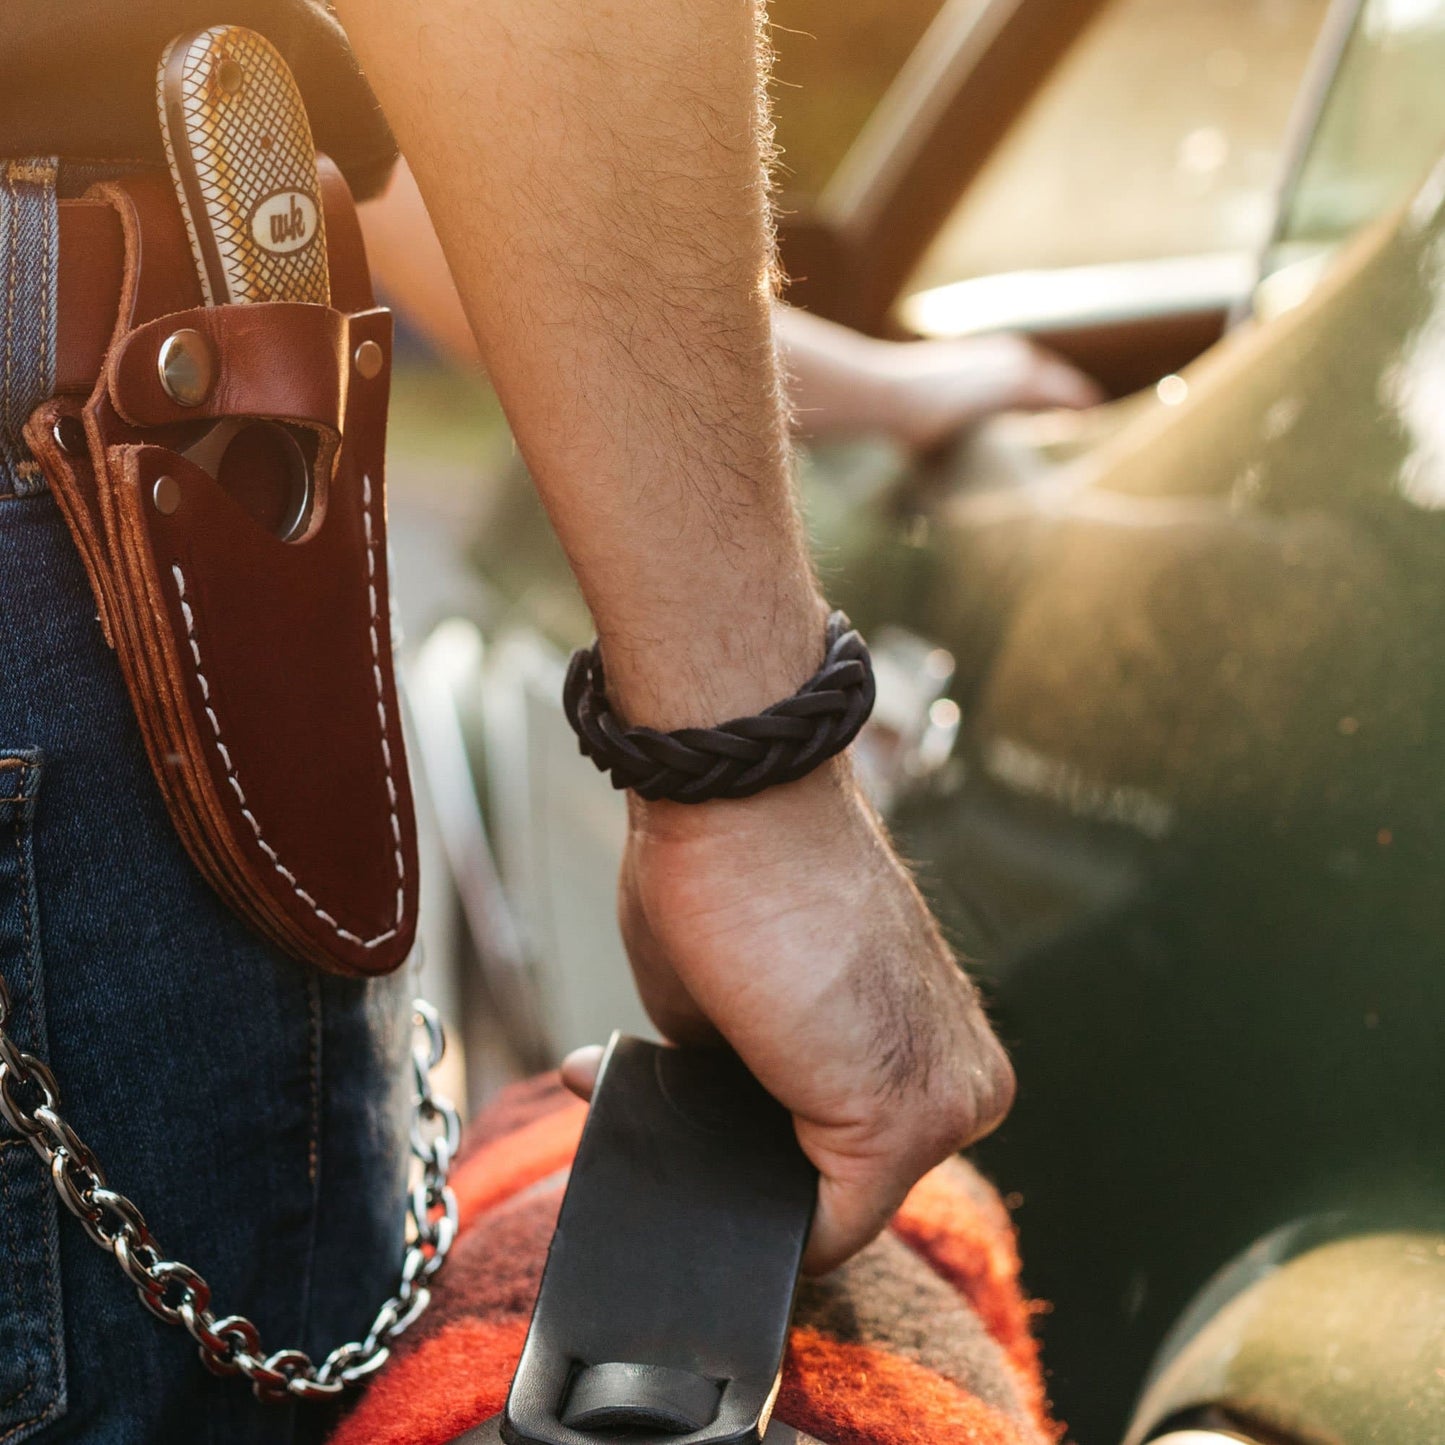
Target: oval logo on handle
point(285, 221)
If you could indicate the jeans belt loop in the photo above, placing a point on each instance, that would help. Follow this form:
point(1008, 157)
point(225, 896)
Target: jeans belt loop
point(29, 256)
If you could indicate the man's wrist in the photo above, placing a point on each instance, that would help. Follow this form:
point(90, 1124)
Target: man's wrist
point(785, 814)
point(734, 662)
point(744, 754)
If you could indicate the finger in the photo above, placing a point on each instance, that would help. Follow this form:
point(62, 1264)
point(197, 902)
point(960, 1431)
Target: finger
point(670, 1005)
point(851, 1213)
point(667, 1000)
point(1054, 382)
point(864, 1180)
point(686, 1026)
point(580, 1069)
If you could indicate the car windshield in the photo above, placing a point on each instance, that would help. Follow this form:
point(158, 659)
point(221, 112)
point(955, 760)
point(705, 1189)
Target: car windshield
point(1380, 128)
point(1158, 140)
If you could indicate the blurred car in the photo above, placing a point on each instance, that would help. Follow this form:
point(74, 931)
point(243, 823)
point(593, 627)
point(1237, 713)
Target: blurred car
point(1161, 709)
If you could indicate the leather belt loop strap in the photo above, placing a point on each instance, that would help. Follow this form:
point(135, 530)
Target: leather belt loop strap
point(276, 360)
point(615, 1395)
point(92, 273)
point(29, 253)
point(671, 1277)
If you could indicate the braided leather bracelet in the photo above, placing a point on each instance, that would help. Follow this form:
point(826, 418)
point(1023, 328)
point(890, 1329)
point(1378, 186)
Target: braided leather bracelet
point(738, 758)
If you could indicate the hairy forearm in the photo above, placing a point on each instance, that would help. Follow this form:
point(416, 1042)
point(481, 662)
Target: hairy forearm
point(829, 371)
point(596, 177)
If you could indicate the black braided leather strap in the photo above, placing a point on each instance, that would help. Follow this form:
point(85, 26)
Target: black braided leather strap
point(739, 758)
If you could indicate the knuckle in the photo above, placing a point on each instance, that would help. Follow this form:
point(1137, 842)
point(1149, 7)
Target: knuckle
point(1001, 1087)
point(996, 1084)
point(980, 1094)
point(961, 1121)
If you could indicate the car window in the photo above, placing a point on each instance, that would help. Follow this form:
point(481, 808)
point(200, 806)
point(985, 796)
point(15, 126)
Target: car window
point(1381, 127)
point(1159, 137)
point(833, 63)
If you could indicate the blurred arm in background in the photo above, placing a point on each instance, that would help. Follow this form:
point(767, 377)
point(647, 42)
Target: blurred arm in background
point(920, 393)
point(840, 382)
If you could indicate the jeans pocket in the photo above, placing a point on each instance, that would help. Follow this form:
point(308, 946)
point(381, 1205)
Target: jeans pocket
point(32, 1351)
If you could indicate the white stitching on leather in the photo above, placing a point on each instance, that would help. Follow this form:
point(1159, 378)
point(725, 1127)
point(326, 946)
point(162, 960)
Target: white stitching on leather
point(235, 782)
point(380, 697)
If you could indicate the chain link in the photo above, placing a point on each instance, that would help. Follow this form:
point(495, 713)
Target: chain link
point(177, 1294)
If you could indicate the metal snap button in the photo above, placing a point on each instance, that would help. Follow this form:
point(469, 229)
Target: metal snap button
point(166, 494)
point(369, 360)
point(229, 76)
point(187, 367)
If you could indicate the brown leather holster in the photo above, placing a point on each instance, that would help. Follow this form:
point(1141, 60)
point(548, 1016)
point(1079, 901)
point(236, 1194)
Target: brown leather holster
point(260, 669)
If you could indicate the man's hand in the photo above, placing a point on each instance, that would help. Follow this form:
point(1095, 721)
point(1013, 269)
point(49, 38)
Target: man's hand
point(597, 177)
point(787, 925)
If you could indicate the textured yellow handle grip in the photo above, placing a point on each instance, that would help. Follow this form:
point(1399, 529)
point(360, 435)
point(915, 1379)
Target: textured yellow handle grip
point(240, 151)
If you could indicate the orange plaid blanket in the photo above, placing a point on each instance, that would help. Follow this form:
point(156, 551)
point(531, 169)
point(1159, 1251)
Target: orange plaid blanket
point(924, 1339)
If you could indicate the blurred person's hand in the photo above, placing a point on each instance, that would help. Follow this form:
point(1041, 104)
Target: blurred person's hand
point(920, 393)
point(936, 389)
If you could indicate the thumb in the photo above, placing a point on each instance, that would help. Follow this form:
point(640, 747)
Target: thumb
point(580, 1069)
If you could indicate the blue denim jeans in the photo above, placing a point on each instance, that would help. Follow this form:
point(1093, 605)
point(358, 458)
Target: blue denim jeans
point(254, 1109)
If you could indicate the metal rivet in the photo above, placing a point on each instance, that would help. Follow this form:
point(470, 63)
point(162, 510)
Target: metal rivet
point(187, 367)
point(69, 434)
point(166, 494)
point(229, 76)
point(369, 360)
